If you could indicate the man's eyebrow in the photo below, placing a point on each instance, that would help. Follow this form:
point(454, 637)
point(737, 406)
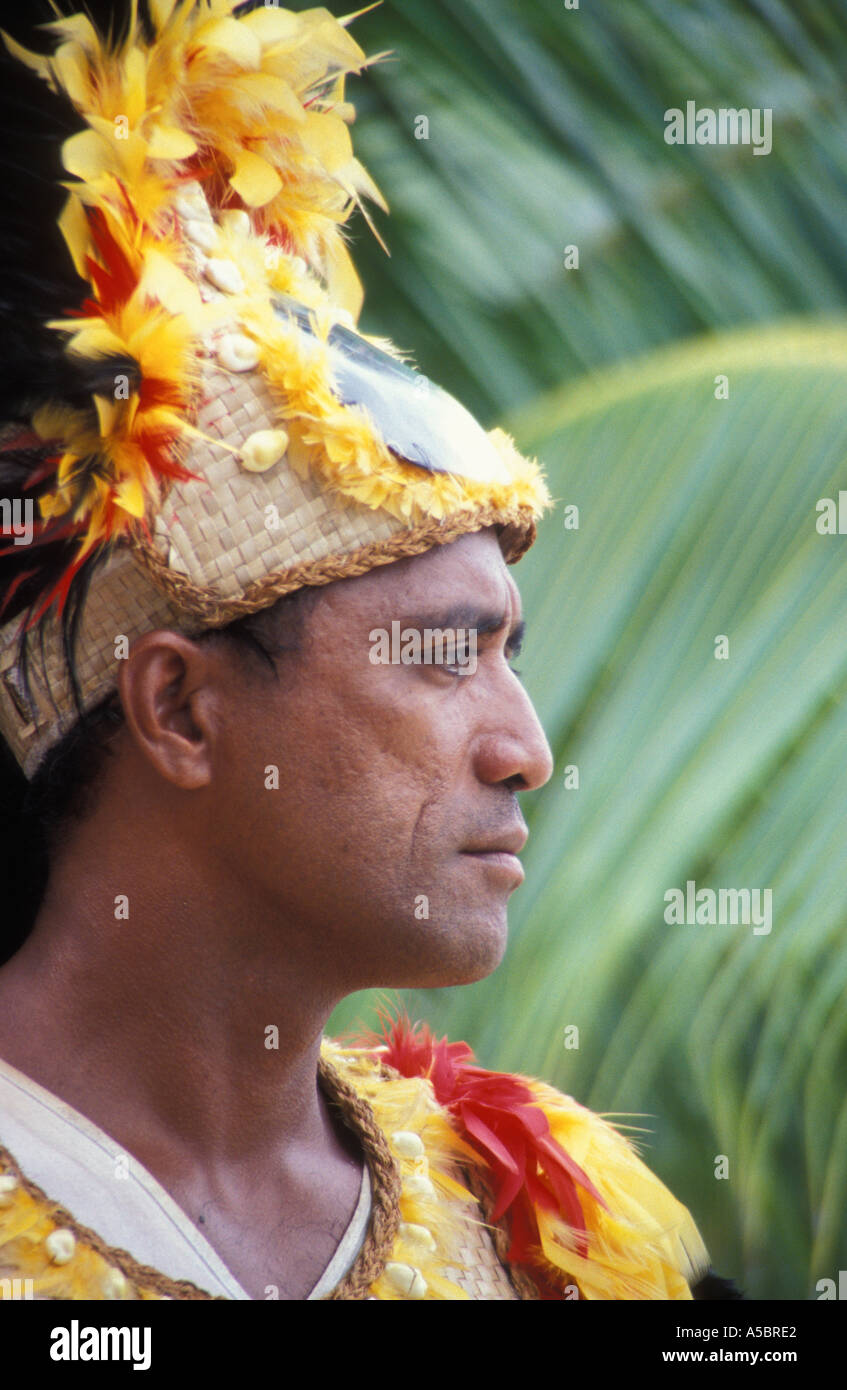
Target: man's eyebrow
point(466, 616)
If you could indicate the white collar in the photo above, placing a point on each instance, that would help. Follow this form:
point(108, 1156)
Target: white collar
point(78, 1165)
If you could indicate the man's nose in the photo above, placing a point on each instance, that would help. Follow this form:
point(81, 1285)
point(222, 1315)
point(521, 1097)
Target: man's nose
point(514, 747)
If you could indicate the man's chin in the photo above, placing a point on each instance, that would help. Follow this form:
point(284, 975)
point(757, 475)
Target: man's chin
point(467, 953)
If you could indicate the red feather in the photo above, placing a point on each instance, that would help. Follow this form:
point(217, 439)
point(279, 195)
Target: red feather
point(60, 589)
point(116, 279)
point(498, 1116)
point(24, 439)
point(50, 531)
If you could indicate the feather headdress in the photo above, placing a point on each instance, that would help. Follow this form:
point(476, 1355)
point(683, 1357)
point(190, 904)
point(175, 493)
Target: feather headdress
point(219, 433)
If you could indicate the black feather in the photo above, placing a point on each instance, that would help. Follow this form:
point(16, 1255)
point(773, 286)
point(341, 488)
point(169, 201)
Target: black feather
point(713, 1287)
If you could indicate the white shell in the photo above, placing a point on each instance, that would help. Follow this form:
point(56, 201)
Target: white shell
point(175, 562)
point(8, 1187)
point(224, 275)
point(407, 1144)
point(416, 1185)
point(263, 449)
point(60, 1246)
point(115, 1285)
point(406, 1279)
point(191, 202)
point(417, 1235)
point(235, 220)
point(237, 352)
point(202, 234)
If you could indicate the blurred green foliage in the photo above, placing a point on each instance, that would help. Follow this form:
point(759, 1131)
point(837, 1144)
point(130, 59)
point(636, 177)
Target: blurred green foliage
point(697, 518)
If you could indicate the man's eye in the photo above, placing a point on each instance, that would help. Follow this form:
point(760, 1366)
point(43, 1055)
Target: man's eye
point(464, 655)
point(458, 670)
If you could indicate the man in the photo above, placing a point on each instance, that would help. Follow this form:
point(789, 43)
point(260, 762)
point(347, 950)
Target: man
point(253, 805)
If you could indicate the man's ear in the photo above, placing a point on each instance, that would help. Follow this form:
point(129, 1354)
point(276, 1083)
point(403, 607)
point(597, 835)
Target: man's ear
point(173, 701)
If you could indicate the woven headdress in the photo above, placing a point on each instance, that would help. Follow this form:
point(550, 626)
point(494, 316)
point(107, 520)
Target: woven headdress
point(237, 438)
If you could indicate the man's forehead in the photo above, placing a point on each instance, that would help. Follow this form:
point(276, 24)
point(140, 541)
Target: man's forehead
point(470, 571)
point(465, 584)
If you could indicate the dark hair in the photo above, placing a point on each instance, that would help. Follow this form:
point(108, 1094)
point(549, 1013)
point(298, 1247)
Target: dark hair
point(38, 283)
point(35, 814)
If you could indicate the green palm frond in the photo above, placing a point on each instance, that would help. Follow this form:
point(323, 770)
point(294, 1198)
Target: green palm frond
point(546, 129)
point(698, 519)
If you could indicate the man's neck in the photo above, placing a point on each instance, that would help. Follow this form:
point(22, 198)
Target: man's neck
point(196, 1057)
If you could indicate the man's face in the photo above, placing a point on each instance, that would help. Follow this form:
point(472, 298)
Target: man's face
point(388, 848)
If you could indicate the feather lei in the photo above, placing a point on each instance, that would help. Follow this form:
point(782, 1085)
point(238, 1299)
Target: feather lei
point(585, 1212)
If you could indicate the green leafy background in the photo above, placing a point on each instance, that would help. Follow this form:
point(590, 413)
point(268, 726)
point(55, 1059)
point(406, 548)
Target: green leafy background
point(697, 518)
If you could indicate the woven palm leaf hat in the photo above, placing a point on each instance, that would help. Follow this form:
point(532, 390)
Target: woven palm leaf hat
point(238, 438)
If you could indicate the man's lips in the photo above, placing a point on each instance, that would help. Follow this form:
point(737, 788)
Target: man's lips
point(499, 853)
point(509, 841)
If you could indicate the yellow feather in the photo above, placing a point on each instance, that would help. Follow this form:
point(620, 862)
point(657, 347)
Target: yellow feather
point(35, 61)
point(268, 92)
point(327, 139)
point(646, 1245)
point(169, 142)
point(233, 39)
point(88, 155)
point(161, 11)
point(108, 413)
point(130, 495)
point(77, 28)
point(255, 180)
point(96, 340)
point(273, 25)
point(72, 69)
point(135, 86)
point(164, 281)
point(343, 282)
point(73, 225)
